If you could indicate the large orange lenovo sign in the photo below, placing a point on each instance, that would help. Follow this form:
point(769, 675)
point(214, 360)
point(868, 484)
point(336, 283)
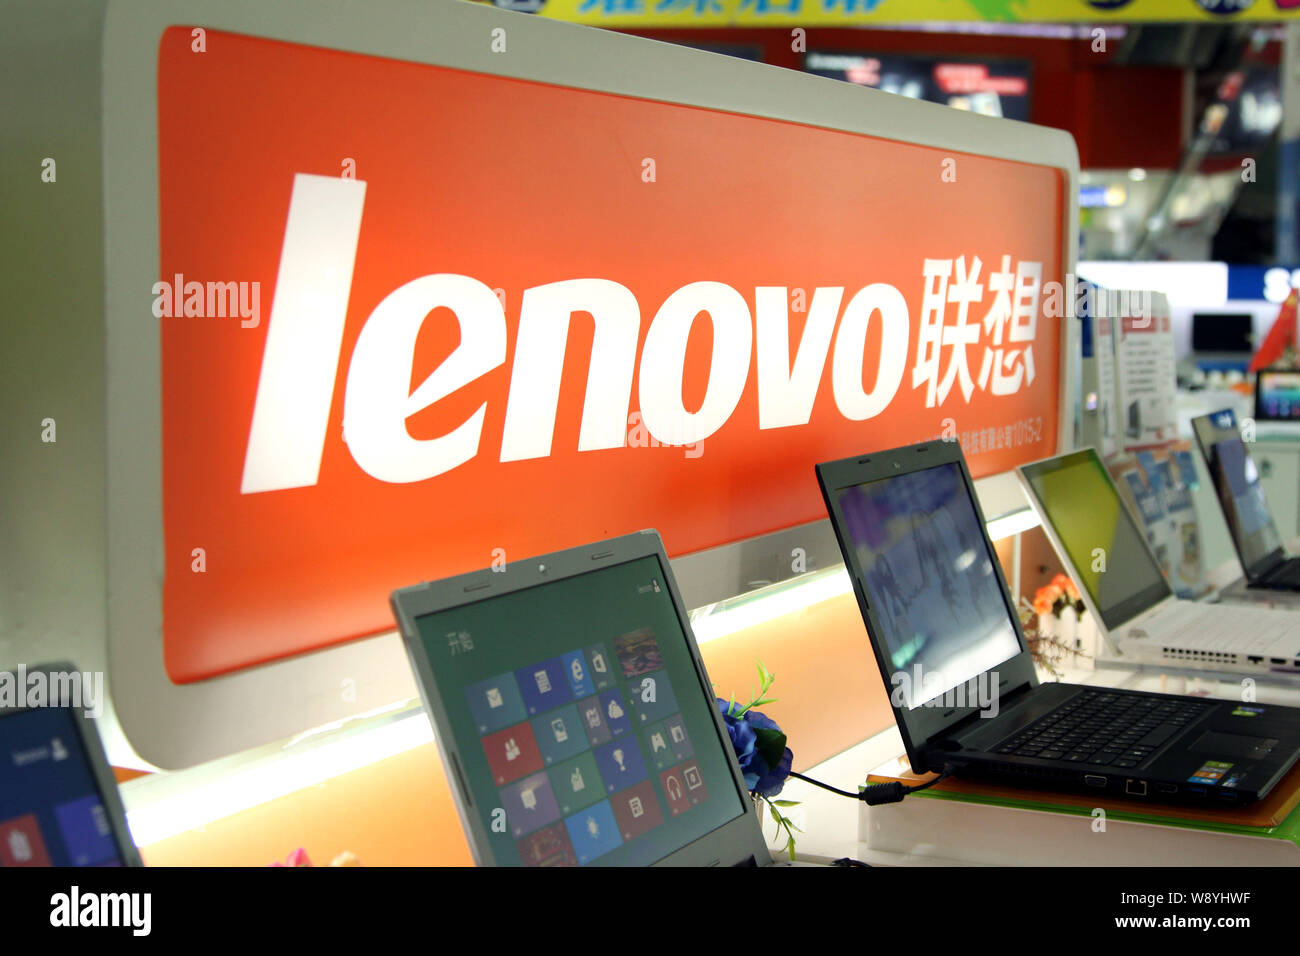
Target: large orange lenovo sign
point(505, 317)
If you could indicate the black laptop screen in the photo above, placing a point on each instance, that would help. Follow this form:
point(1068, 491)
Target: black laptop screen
point(1236, 482)
point(584, 732)
point(928, 575)
point(51, 812)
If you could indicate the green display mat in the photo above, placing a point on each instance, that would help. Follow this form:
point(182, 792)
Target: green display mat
point(1288, 829)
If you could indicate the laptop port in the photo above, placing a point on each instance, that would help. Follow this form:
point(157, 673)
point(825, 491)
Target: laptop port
point(1094, 780)
point(1137, 788)
point(1166, 788)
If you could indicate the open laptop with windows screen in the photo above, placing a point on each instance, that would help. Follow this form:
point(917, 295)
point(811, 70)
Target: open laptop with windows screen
point(574, 715)
point(1264, 562)
point(59, 804)
point(1122, 584)
point(948, 641)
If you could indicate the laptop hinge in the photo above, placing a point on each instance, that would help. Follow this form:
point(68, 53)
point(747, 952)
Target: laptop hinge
point(1278, 559)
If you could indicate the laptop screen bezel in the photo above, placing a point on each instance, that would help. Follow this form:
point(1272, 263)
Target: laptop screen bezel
point(738, 841)
point(1208, 434)
point(921, 727)
point(1130, 607)
point(96, 760)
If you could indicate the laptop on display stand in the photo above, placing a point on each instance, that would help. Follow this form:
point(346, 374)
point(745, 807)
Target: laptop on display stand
point(573, 713)
point(59, 803)
point(1264, 562)
point(1122, 584)
point(965, 695)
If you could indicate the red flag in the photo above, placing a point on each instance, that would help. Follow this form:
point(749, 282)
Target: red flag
point(1280, 336)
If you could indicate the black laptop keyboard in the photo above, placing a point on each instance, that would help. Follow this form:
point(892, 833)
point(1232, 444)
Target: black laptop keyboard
point(1107, 729)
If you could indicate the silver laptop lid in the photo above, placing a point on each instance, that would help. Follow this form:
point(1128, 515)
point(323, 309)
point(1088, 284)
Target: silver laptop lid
point(1108, 554)
point(574, 714)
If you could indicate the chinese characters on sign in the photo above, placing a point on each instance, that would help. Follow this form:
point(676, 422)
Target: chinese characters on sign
point(1009, 326)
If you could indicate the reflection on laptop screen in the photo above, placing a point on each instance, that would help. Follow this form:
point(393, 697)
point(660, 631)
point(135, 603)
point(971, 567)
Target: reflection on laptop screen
point(929, 578)
point(51, 812)
point(576, 708)
point(1109, 554)
point(1237, 482)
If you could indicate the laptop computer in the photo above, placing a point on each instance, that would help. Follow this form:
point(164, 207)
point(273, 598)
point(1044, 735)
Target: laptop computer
point(59, 804)
point(574, 715)
point(948, 641)
point(1264, 562)
point(1121, 582)
point(1277, 395)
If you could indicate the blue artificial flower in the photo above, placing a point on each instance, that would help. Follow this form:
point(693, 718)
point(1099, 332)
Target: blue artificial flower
point(743, 742)
point(760, 720)
point(760, 776)
point(771, 784)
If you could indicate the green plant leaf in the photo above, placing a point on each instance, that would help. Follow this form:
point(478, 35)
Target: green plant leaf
point(770, 745)
point(785, 803)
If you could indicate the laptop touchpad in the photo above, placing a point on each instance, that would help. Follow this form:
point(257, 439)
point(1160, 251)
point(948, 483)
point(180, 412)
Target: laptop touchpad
point(1234, 745)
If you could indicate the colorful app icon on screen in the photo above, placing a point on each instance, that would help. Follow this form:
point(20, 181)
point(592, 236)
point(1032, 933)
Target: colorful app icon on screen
point(593, 720)
point(578, 672)
point(620, 764)
point(593, 832)
point(495, 703)
point(638, 653)
point(674, 791)
point(636, 810)
point(652, 697)
point(549, 846)
point(677, 738)
point(559, 734)
point(21, 843)
point(512, 753)
point(529, 803)
point(86, 831)
point(658, 747)
point(696, 791)
point(544, 685)
point(615, 711)
point(576, 783)
point(602, 667)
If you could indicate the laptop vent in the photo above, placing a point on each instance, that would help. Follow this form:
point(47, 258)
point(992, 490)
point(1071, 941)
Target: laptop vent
point(1199, 657)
